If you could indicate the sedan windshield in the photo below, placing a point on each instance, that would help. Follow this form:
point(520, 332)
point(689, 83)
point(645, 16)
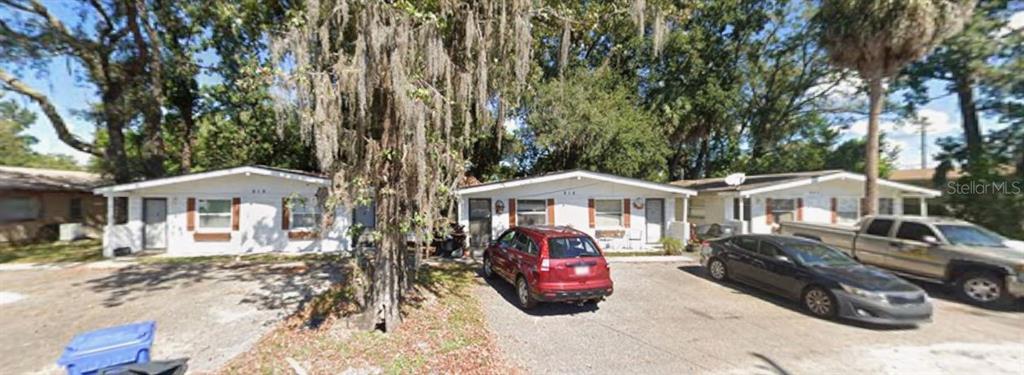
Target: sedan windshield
point(571, 247)
point(969, 235)
point(811, 254)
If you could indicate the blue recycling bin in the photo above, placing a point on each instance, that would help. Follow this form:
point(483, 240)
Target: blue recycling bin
point(92, 351)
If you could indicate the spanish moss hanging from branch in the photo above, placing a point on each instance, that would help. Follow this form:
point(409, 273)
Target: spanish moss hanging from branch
point(391, 95)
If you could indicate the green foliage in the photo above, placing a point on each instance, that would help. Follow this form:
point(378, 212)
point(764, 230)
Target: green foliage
point(671, 245)
point(16, 147)
point(849, 156)
point(591, 121)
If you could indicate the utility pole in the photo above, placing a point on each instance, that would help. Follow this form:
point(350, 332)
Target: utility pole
point(923, 123)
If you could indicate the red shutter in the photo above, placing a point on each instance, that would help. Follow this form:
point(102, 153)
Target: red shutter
point(625, 213)
point(768, 211)
point(190, 214)
point(285, 214)
point(551, 212)
point(799, 209)
point(511, 212)
point(835, 206)
point(590, 211)
point(236, 204)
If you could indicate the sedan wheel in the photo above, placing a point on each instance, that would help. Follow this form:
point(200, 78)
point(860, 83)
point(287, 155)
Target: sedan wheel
point(523, 292)
point(820, 303)
point(717, 270)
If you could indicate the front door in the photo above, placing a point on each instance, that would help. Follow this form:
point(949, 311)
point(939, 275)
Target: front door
point(655, 215)
point(154, 219)
point(479, 222)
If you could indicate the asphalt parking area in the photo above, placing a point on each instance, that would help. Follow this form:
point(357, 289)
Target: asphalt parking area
point(208, 312)
point(669, 318)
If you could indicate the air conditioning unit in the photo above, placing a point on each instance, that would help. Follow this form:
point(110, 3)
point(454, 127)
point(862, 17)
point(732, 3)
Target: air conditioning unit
point(71, 231)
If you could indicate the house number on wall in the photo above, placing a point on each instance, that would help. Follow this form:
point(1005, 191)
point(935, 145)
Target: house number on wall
point(259, 191)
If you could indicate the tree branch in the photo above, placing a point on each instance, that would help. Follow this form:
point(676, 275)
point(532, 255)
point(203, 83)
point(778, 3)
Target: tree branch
point(15, 85)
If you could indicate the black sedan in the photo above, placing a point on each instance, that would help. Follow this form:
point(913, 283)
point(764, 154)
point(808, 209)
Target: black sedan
point(827, 282)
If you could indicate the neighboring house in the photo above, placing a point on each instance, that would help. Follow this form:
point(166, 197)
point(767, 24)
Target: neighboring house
point(619, 212)
point(240, 210)
point(924, 177)
point(831, 196)
point(35, 202)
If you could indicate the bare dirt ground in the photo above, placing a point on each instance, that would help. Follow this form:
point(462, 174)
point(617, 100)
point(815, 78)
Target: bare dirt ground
point(668, 318)
point(209, 312)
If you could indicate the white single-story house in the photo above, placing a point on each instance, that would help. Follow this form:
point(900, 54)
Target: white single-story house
point(619, 212)
point(249, 209)
point(830, 196)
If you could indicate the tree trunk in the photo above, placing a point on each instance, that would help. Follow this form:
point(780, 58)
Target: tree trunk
point(969, 116)
point(115, 152)
point(876, 94)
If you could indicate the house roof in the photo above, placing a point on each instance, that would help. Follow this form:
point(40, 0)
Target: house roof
point(261, 170)
point(576, 173)
point(755, 184)
point(38, 179)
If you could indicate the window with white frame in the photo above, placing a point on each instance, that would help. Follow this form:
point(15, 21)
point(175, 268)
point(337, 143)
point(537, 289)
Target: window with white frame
point(305, 214)
point(885, 206)
point(783, 209)
point(847, 210)
point(608, 212)
point(215, 213)
point(697, 210)
point(19, 209)
point(531, 212)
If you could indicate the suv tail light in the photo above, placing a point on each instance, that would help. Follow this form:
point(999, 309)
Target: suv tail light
point(545, 264)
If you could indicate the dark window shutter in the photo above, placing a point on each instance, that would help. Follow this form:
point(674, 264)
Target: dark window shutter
point(592, 214)
point(511, 212)
point(799, 209)
point(190, 214)
point(625, 212)
point(835, 207)
point(236, 204)
point(551, 212)
point(286, 214)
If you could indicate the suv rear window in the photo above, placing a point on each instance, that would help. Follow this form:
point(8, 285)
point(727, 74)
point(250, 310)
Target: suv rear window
point(571, 247)
point(879, 227)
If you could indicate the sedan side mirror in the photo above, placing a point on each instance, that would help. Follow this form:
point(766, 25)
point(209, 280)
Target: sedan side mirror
point(931, 240)
point(783, 258)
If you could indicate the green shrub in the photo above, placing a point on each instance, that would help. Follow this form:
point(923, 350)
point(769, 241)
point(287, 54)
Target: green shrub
point(672, 246)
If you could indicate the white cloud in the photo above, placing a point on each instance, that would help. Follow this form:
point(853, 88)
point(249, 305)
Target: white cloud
point(939, 124)
point(1016, 23)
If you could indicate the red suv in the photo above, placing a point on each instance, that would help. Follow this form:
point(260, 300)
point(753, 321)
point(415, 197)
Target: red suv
point(548, 264)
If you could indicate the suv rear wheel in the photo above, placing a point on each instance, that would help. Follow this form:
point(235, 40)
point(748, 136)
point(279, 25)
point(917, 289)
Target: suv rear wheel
point(488, 268)
point(983, 289)
point(526, 301)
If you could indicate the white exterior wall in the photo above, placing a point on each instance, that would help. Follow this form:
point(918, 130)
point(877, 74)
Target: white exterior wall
point(817, 202)
point(572, 208)
point(260, 216)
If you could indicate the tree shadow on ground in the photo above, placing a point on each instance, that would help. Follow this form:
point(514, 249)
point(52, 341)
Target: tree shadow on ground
point(508, 292)
point(277, 285)
point(738, 288)
point(769, 364)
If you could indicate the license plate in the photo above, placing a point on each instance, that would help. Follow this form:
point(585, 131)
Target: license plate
point(582, 270)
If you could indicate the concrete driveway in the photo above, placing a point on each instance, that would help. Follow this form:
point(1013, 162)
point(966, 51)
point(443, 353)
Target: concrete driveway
point(207, 312)
point(669, 318)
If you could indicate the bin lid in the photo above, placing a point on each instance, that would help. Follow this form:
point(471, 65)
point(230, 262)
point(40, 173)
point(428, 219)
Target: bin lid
point(107, 338)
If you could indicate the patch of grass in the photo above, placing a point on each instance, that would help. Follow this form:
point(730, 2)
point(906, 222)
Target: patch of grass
point(52, 252)
point(443, 331)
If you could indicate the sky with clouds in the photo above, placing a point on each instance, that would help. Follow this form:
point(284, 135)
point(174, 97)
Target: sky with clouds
point(70, 96)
